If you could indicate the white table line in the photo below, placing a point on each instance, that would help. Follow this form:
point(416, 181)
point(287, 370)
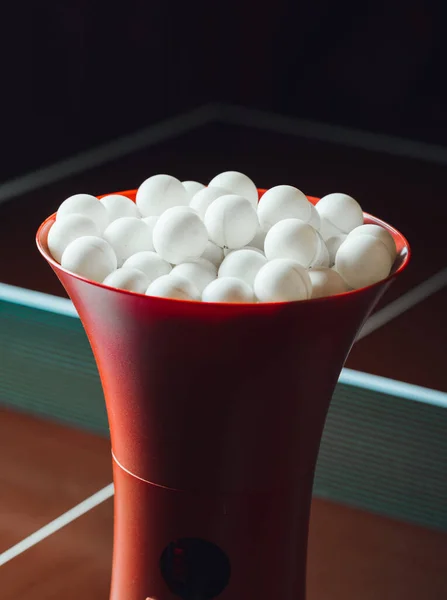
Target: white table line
point(68, 517)
point(335, 134)
point(408, 300)
point(224, 114)
point(144, 138)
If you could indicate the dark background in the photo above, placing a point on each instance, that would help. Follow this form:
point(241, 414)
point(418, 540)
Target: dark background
point(75, 73)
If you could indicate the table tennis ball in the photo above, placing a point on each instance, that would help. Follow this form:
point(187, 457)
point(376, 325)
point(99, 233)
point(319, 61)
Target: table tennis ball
point(259, 239)
point(363, 260)
point(326, 282)
point(339, 213)
point(65, 230)
point(91, 257)
point(180, 235)
point(228, 289)
point(127, 236)
point(282, 280)
point(213, 253)
point(243, 264)
point(333, 244)
point(118, 206)
point(378, 232)
point(86, 205)
point(197, 273)
point(192, 187)
point(152, 265)
point(321, 258)
point(283, 202)
point(314, 220)
point(231, 221)
point(252, 248)
point(203, 198)
point(207, 264)
point(173, 286)
point(158, 193)
point(228, 251)
point(150, 222)
point(129, 279)
point(294, 239)
point(237, 183)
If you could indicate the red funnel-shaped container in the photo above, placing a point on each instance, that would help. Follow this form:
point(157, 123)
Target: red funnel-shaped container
point(216, 413)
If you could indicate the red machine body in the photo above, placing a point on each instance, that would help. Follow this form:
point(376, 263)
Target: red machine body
point(216, 413)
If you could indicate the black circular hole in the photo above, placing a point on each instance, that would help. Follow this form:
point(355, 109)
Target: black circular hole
point(195, 569)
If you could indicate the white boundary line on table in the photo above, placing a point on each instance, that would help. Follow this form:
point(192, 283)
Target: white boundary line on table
point(348, 377)
point(420, 292)
point(225, 114)
point(336, 134)
point(154, 134)
point(68, 517)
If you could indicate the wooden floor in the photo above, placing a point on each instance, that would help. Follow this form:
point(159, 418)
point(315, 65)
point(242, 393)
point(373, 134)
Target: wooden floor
point(352, 554)
point(46, 469)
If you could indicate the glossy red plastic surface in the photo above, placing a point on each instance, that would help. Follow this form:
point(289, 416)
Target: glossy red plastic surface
point(216, 413)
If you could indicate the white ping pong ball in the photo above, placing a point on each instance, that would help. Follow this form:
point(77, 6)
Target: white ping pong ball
point(192, 187)
point(321, 258)
point(243, 264)
point(283, 202)
point(207, 264)
point(159, 193)
point(65, 230)
point(333, 243)
point(282, 280)
point(231, 221)
point(150, 222)
point(339, 213)
point(363, 260)
point(314, 220)
point(259, 239)
point(129, 279)
point(254, 248)
point(294, 239)
point(378, 232)
point(204, 198)
point(180, 235)
point(90, 257)
point(199, 274)
point(173, 286)
point(237, 183)
point(86, 205)
point(228, 289)
point(118, 206)
point(326, 282)
point(127, 236)
point(213, 253)
point(227, 251)
point(152, 265)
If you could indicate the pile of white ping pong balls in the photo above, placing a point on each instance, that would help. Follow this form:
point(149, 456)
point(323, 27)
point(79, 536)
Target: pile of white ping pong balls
point(217, 243)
